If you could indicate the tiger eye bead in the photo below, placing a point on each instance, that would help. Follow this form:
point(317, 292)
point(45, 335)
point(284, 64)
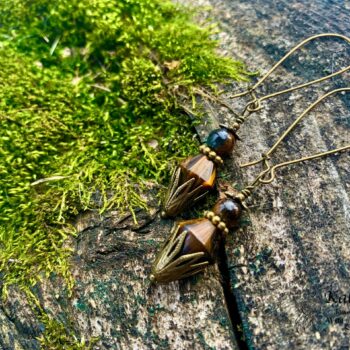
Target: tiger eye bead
point(221, 141)
point(229, 211)
point(192, 246)
point(201, 237)
point(191, 180)
point(201, 168)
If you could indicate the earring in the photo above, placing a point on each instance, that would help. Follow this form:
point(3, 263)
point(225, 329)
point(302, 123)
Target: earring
point(192, 245)
point(195, 177)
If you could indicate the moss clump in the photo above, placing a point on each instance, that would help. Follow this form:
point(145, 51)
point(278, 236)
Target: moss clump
point(89, 97)
point(57, 337)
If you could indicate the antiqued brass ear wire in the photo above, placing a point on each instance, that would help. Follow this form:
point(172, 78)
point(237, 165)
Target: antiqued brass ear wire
point(196, 175)
point(269, 172)
point(255, 105)
point(192, 245)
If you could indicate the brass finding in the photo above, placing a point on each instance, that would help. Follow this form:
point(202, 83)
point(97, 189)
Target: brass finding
point(216, 220)
point(269, 172)
point(255, 105)
point(207, 151)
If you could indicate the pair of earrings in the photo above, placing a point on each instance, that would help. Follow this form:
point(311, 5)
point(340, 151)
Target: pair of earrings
point(192, 244)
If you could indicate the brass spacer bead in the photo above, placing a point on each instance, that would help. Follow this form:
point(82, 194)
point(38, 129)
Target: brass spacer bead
point(222, 226)
point(235, 126)
point(207, 151)
point(215, 220)
point(209, 215)
point(218, 160)
point(212, 155)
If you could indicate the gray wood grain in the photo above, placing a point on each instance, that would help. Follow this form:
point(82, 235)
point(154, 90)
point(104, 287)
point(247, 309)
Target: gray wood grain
point(294, 247)
point(294, 244)
point(112, 298)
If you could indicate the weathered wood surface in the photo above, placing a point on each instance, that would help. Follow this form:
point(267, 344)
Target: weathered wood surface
point(296, 249)
point(114, 300)
point(293, 249)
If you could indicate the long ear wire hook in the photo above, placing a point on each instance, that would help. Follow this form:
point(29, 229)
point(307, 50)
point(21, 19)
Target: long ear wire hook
point(269, 173)
point(272, 170)
point(292, 126)
point(255, 103)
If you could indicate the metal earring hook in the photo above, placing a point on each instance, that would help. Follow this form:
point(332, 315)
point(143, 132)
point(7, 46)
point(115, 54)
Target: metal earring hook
point(255, 105)
point(272, 170)
point(269, 170)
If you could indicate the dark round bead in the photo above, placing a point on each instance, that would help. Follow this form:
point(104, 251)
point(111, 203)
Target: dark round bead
point(221, 141)
point(229, 211)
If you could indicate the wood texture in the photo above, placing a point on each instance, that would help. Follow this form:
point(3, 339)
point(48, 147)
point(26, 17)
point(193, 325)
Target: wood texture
point(294, 248)
point(294, 245)
point(113, 298)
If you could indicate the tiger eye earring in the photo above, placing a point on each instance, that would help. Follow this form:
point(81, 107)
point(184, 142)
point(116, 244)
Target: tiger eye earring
point(195, 176)
point(193, 244)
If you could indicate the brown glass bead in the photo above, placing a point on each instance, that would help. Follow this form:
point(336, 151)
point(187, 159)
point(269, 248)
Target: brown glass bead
point(229, 211)
point(221, 141)
point(200, 168)
point(201, 237)
point(191, 247)
point(190, 181)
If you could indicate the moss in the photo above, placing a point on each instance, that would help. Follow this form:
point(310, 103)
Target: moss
point(91, 101)
point(57, 336)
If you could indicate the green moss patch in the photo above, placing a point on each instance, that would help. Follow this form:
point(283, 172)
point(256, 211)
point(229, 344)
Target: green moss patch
point(58, 336)
point(90, 111)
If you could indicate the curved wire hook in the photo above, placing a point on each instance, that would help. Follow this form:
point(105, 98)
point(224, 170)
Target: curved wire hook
point(271, 170)
point(257, 101)
point(293, 125)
